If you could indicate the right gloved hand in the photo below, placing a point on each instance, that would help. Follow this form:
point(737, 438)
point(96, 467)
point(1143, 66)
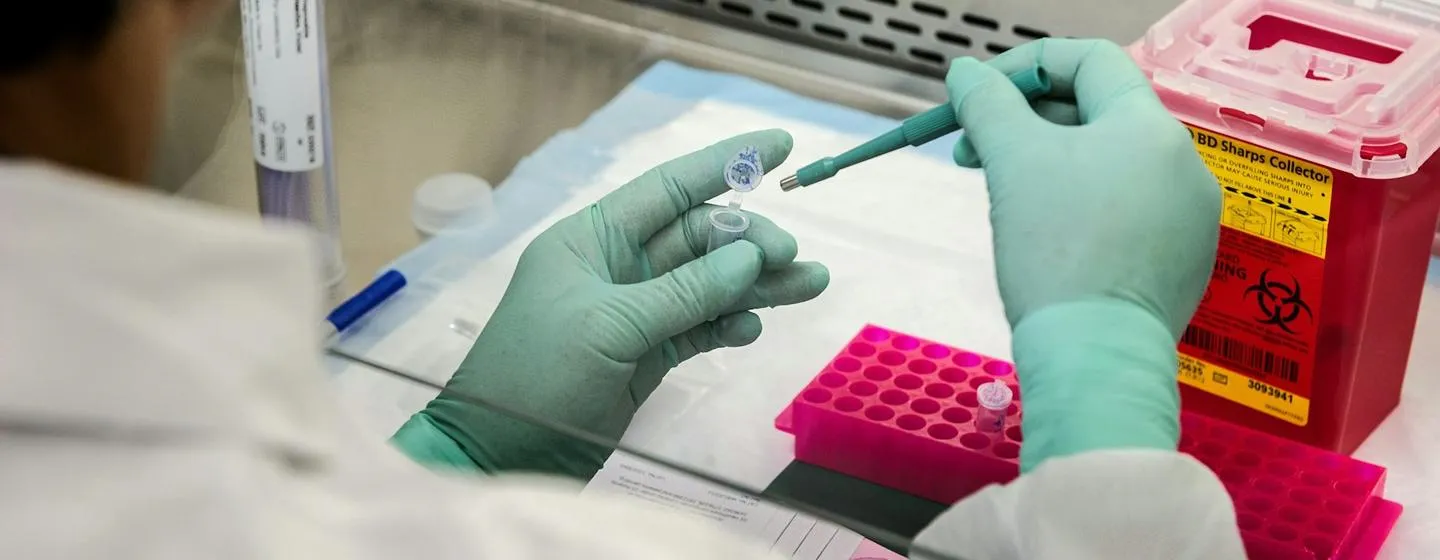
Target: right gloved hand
point(1105, 225)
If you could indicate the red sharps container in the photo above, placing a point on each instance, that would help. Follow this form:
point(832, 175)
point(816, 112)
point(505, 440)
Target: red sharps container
point(1320, 121)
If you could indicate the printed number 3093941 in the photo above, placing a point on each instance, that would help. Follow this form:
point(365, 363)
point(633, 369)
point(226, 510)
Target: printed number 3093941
point(1271, 391)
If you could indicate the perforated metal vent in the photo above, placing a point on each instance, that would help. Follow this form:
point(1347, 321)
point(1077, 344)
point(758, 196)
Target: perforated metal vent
point(923, 35)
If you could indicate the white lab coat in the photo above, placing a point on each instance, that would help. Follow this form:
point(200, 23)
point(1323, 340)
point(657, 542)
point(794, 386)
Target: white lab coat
point(161, 397)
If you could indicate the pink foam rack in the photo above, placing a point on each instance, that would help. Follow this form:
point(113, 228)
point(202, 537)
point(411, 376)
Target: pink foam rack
point(899, 411)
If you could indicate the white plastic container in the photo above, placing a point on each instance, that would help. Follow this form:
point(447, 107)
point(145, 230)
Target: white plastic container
point(443, 200)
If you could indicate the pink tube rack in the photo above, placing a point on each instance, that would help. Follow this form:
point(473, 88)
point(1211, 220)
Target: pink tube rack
point(899, 411)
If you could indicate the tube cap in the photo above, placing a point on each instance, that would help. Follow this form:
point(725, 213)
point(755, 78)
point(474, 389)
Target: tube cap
point(995, 395)
point(443, 200)
point(744, 172)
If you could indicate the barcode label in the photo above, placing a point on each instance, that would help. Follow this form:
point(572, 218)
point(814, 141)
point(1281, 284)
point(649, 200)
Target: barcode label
point(1240, 353)
point(283, 78)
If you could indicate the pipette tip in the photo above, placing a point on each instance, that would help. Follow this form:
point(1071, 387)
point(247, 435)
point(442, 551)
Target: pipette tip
point(790, 183)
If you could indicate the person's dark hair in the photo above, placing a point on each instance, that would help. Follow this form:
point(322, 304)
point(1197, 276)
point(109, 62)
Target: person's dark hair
point(33, 31)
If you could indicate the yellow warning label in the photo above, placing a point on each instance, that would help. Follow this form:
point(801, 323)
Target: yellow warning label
point(1245, 390)
point(1254, 337)
point(1269, 194)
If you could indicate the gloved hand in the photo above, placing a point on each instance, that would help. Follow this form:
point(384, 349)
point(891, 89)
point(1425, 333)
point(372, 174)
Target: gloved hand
point(1105, 225)
point(601, 306)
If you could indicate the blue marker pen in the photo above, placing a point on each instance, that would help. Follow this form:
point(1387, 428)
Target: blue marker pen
point(357, 306)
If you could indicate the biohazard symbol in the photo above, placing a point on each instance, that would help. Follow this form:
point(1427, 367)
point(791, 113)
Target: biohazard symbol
point(1279, 303)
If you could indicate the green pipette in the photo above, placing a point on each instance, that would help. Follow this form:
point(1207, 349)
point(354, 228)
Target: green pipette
point(915, 131)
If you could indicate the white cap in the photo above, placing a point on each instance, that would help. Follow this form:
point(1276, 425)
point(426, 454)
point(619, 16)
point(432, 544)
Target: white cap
point(443, 199)
point(995, 395)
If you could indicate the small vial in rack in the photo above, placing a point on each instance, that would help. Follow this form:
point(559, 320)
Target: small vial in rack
point(995, 398)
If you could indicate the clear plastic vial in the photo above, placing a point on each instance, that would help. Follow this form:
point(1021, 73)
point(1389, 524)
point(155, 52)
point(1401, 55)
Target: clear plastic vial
point(726, 225)
point(995, 398)
point(288, 82)
point(742, 174)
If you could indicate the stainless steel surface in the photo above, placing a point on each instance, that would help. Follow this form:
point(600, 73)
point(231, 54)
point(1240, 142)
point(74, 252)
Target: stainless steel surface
point(790, 183)
point(427, 87)
point(922, 35)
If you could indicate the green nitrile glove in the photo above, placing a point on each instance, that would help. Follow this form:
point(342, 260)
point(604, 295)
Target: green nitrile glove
point(1105, 225)
point(601, 306)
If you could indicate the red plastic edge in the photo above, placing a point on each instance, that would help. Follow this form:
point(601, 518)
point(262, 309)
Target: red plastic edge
point(1377, 525)
point(785, 422)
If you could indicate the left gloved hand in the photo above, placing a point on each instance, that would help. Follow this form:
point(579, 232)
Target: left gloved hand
point(601, 306)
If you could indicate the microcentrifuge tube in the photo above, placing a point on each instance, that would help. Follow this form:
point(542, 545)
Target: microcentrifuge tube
point(995, 398)
point(742, 174)
point(726, 225)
